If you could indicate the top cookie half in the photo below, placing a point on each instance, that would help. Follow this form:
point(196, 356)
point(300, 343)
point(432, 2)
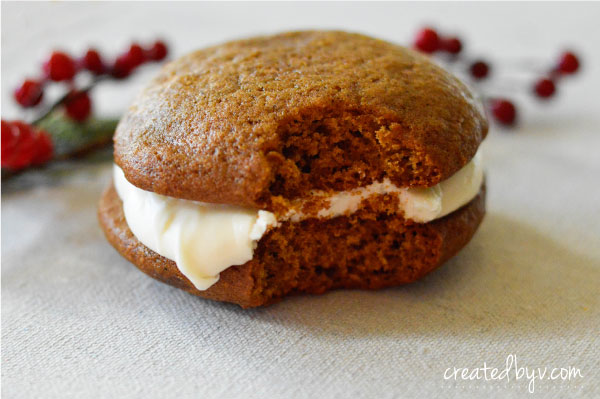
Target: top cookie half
point(252, 120)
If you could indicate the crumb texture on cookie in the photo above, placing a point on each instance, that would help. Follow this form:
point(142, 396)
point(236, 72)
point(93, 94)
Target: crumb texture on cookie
point(252, 121)
point(370, 249)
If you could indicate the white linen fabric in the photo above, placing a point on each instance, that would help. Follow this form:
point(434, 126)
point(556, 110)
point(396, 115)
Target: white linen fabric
point(80, 321)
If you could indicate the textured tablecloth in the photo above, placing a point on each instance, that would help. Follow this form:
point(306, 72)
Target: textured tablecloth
point(79, 321)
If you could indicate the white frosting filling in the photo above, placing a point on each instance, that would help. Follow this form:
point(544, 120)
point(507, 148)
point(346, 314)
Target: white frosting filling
point(204, 239)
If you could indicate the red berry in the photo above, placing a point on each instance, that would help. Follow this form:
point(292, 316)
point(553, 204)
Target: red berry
point(93, 62)
point(126, 63)
point(136, 55)
point(122, 67)
point(544, 88)
point(22, 145)
point(60, 67)
point(568, 63)
point(504, 111)
point(10, 137)
point(479, 69)
point(29, 94)
point(24, 150)
point(78, 106)
point(451, 45)
point(44, 148)
point(158, 51)
point(427, 41)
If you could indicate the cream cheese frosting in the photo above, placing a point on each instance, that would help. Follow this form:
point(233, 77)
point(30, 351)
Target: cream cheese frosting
point(204, 239)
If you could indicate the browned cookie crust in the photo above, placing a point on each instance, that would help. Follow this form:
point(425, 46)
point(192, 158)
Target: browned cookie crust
point(255, 122)
point(366, 250)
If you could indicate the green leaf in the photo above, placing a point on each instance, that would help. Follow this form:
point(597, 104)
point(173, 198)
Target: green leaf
point(73, 138)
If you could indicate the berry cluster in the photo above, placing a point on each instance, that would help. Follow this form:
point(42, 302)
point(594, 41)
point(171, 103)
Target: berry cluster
point(427, 40)
point(61, 67)
point(23, 145)
point(567, 64)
